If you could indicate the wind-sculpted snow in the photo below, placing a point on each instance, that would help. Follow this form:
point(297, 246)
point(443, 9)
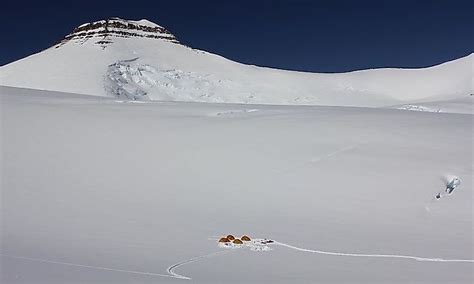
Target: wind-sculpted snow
point(128, 82)
point(131, 79)
point(418, 108)
point(463, 104)
point(135, 80)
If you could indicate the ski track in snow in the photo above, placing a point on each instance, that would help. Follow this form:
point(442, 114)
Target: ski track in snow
point(91, 266)
point(172, 274)
point(339, 151)
point(321, 158)
point(171, 269)
point(417, 258)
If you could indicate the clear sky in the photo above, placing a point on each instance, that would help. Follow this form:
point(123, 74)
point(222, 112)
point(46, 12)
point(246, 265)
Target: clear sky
point(320, 36)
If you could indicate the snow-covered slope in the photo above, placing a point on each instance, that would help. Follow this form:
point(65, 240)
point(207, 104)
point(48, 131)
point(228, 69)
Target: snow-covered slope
point(96, 191)
point(459, 105)
point(141, 60)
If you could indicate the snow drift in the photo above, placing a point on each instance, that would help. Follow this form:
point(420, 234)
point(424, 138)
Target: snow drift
point(140, 60)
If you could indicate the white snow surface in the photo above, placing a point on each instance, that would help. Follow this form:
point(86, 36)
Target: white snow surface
point(139, 68)
point(458, 105)
point(101, 190)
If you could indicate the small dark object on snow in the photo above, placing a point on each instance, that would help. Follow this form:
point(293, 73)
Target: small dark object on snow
point(230, 237)
point(237, 242)
point(224, 240)
point(245, 238)
point(451, 185)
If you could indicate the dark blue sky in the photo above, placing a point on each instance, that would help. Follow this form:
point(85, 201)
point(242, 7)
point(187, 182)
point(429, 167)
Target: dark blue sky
point(322, 36)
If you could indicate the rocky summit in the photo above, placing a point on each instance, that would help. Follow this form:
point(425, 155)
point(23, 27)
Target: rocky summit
point(103, 32)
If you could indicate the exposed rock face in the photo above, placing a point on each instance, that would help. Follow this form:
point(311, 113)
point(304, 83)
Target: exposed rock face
point(104, 31)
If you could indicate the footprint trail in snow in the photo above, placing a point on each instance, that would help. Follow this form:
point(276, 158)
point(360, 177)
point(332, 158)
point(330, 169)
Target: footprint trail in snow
point(171, 269)
point(263, 245)
point(409, 257)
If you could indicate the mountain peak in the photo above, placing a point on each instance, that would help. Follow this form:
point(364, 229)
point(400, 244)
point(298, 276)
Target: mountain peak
point(102, 32)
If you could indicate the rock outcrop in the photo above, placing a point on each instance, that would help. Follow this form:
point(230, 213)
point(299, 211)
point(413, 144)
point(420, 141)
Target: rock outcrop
point(104, 31)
